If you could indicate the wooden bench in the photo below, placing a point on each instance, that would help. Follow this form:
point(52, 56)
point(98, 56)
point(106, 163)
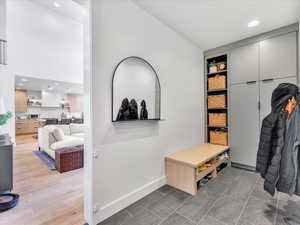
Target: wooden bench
point(182, 167)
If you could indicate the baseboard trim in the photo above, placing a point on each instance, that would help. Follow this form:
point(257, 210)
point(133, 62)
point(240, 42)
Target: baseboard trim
point(110, 209)
point(242, 166)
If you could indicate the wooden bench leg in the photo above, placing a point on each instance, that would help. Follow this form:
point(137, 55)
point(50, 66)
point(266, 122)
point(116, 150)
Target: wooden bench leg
point(181, 177)
point(214, 173)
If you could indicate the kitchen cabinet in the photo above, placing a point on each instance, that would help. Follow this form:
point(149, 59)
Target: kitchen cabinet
point(279, 57)
point(21, 101)
point(244, 64)
point(28, 126)
point(76, 102)
point(244, 123)
point(266, 89)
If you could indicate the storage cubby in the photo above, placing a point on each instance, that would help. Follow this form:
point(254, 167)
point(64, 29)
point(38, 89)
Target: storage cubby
point(217, 99)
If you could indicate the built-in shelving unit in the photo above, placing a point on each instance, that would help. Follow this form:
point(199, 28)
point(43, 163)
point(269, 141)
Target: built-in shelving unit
point(223, 91)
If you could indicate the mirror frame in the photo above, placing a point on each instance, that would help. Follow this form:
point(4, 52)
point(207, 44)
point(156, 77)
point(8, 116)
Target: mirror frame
point(112, 90)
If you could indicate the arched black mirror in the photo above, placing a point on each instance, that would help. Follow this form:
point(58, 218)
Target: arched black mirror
point(135, 91)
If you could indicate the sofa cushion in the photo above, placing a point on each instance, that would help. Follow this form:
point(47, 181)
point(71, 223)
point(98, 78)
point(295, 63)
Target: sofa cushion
point(76, 128)
point(64, 128)
point(68, 141)
point(80, 135)
point(58, 134)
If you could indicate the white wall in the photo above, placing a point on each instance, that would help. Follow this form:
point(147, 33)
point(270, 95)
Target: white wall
point(43, 43)
point(7, 82)
point(130, 161)
point(2, 19)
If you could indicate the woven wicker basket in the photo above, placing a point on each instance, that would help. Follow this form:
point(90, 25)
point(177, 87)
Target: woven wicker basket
point(216, 101)
point(218, 137)
point(217, 82)
point(222, 66)
point(217, 119)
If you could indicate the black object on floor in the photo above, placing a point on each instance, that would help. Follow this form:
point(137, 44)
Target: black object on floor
point(8, 201)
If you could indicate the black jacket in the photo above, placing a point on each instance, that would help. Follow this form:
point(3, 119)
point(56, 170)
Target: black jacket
point(144, 111)
point(124, 113)
point(272, 136)
point(133, 110)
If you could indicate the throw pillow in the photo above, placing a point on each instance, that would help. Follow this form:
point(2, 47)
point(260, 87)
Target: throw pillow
point(58, 134)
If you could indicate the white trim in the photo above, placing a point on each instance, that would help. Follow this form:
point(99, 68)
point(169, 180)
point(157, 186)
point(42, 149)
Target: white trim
point(119, 204)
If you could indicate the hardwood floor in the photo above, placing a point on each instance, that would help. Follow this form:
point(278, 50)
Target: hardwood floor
point(46, 197)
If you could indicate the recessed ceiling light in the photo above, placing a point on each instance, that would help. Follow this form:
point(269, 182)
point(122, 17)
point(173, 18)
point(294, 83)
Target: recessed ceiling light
point(56, 4)
point(253, 23)
point(20, 84)
point(24, 80)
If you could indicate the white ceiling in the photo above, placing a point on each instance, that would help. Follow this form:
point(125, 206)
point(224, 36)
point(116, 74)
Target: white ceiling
point(212, 23)
point(68, 8)
point(35, 84)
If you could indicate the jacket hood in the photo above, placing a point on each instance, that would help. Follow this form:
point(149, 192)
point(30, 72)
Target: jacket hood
point(143, 104)
point(125, 104)
point(133, 103)
point(282, 94)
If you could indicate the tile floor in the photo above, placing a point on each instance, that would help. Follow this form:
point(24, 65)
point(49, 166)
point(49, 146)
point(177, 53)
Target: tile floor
point(235, 197)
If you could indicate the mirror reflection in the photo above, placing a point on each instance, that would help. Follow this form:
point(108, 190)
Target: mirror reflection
point(136, 91)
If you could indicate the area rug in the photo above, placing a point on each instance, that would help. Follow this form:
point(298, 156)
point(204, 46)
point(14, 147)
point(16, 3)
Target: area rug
point(49, 162)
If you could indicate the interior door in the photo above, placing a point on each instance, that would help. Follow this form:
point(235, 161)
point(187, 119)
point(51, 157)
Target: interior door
point(244, 123)
point(279, 57)
point(266, 89)
point(244, 64)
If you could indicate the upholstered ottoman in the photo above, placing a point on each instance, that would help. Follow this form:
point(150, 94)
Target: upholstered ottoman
point(69, 158)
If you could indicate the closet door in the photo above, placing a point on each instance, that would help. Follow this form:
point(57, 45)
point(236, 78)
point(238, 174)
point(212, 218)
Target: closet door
point(244, 64)
point(244, 123)
point(279, 57)
point(266, 89)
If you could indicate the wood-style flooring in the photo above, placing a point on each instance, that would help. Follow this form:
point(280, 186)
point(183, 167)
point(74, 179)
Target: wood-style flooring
point(46, 197)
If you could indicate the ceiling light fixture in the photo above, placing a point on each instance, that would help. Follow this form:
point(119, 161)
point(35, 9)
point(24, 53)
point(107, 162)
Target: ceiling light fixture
point(56, 4)
point(24, 80)
point(253, 23)
point(20, 84)
point(56, 84)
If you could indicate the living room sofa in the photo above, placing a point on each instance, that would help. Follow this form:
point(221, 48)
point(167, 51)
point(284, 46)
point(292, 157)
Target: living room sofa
point(72, 135)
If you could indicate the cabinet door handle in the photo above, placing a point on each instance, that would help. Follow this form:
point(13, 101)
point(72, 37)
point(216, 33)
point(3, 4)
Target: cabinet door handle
point(251, 82)
point(268, 80)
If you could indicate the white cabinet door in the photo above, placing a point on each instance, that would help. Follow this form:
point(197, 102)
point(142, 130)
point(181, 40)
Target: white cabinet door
point(3, 19)
point(266, 89)
point(244, 123)
point(244, 64)
point(51, 99)
point(279, 57)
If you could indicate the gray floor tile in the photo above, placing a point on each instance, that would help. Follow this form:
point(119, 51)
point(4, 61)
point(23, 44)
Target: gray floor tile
point(214, 188)
point(143, 217)
point(117, 219)
point(197, 207)
point(228, 175)
point(208, 220)
point(244, 185)
point(167, 205)
point(288, 210)
point(144, 202)
point(176, 219)
point(166, 189)
point(228, 209)
point(260, 193)
point(259, 211)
